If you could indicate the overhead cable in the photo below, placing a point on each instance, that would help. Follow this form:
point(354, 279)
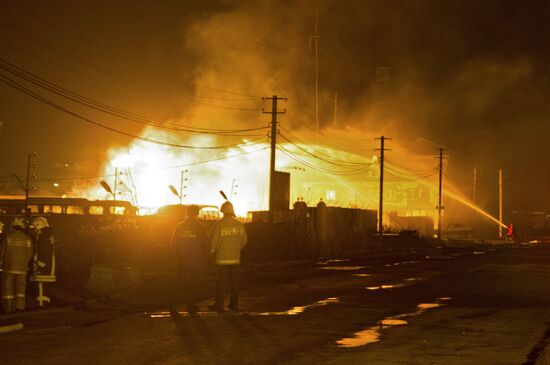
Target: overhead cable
point(96, 105)
point(23, 89)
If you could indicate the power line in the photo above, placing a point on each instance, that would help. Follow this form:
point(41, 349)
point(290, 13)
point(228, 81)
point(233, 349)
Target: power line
point(83, 100)
point(46, 101)
point(410, 168)
point(339, 163)
point(110, 74)
point(318, 168)
point(318, 151)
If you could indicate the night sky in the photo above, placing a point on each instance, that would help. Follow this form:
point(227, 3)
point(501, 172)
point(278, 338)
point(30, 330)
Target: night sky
point(471, 76)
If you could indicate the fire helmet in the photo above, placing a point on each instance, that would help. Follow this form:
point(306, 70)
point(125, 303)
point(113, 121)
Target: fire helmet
point(227, 208)
point(18, 222)
point(39, 223)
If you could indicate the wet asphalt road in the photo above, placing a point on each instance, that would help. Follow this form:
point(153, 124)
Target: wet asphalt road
point(483, 305)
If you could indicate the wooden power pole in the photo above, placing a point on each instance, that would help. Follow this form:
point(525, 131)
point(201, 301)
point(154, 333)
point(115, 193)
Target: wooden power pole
point(381, 189)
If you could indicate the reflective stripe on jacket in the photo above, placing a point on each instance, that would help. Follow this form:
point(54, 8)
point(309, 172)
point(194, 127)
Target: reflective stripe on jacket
point(16, 252)
point(227, 239)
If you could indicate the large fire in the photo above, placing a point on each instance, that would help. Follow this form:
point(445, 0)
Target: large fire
point(151, 175)
point(146, 170)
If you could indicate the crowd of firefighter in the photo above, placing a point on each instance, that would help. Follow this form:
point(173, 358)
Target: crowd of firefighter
point(27, 259)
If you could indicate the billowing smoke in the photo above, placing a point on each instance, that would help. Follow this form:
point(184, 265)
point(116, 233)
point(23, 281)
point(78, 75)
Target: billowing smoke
point(464, 76)
point(471, 77)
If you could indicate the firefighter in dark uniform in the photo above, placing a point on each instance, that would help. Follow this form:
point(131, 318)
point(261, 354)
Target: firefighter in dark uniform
point(16, 253)
point(44, 250)
point(44, 258)
point(190, 242)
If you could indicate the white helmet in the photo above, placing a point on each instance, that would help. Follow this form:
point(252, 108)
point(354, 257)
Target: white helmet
point(18, 222)
point(39, 223)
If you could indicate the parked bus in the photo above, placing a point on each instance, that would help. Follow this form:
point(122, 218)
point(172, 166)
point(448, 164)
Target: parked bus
point(15, 205)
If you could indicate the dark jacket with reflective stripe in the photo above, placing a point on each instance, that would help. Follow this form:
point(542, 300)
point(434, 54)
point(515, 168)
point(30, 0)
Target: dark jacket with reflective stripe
point(190, 241)
point(44, 252)
point(16, 252)
point(227, 239)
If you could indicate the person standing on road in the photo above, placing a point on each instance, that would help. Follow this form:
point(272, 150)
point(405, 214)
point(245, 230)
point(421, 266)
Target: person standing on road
point(16, 252)
point(190, 240)
point(44, 247)
point(43, 267)
point(227, 239)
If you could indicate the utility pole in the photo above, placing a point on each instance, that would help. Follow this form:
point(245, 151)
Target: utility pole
point(474, 189)
point(336, 109)
point(474, 197)
point(381, 198)
point(27, 185)
point(315, 38)
point(274, 111)
point(500, 202)
point(182, 181)
point(439, 206)
point(116, 184)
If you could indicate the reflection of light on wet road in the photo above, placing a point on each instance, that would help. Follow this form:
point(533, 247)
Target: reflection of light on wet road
point(373, 333)
point(297, 310)
point(479, 252)
point(386, 286)
point(414, 279)
point(362, 275)
point(361, 338)
point(402, 263)
point(327, 262)
point(167, 314)
point(343, 268)
point(424, 306)
point(393, 322)
point(291, 312)
point(409, 281)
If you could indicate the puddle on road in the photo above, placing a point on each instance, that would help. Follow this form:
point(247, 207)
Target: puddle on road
point(291, 312)
point(393, 322)
point(386, 286)
point(343, 268)
point(402, 263)
point(167, 314)
point(361, 338)
point(333, 261)
point(373, 333)
point(414, 279)
point(424, 306)
point(397, 285)
point(297, 310)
